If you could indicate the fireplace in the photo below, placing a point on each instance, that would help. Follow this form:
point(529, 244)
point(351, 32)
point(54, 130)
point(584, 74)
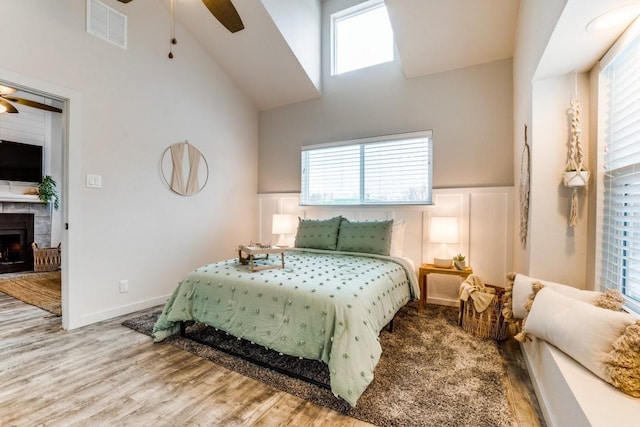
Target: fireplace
point(16, 236)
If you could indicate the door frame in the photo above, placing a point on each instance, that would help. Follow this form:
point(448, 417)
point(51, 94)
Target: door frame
point(70, 189)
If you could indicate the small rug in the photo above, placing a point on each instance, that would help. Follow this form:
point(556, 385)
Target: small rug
point(39, 289)
point(431, 373)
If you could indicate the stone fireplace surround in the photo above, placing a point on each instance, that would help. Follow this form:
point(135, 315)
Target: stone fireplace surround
point(42, 219)
point(16, 235)
point(41, 215)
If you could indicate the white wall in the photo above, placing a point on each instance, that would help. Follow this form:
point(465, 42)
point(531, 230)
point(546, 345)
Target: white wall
point(536, 21)
point(469, 111)
point(299, 23)
point(126, 107)
point(485, 228)
point(554, 250)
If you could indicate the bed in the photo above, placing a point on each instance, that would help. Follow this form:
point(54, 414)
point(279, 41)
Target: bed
point(327, 305)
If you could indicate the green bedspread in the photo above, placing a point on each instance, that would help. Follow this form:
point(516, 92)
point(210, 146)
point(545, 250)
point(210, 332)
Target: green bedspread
point(324, 305)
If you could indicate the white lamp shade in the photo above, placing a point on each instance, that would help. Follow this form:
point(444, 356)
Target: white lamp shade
point(281, 224)
point(444, 229)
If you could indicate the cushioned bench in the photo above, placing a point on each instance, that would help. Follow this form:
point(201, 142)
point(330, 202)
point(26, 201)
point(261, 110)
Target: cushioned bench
point(569, 394)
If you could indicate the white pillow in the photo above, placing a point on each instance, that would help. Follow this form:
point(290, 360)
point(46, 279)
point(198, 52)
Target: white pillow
point(522, 289)
point(397, 237)
point(581, 330)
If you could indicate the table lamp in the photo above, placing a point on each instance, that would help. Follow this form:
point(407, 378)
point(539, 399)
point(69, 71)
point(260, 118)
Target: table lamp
point(281, 224)
point(443, 230)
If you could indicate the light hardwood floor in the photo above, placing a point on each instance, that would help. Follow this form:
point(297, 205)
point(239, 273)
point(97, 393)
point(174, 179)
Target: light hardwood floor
point(107, 374)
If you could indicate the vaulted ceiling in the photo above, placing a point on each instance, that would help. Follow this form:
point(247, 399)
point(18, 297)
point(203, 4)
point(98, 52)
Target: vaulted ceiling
point(265, 61)
point(276, 59)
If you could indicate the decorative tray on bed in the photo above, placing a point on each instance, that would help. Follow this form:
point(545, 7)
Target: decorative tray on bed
point(247, 254)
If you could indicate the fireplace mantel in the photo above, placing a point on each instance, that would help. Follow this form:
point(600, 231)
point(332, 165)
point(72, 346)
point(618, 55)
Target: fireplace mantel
point(15, 193)
point(24, 198)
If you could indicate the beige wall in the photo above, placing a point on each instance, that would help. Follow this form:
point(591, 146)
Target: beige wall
point(469, 110)
point(558, 251)
point(126, 107)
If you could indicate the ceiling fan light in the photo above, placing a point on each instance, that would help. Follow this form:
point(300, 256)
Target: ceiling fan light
point(5, 90)
point(3, 109)
point(614, 18)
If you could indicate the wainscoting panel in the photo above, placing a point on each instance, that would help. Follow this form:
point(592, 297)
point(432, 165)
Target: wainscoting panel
point(485, 227)
point(492, 235)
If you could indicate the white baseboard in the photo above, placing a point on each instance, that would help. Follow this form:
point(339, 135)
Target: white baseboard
point(442, 301)
point(118, 311)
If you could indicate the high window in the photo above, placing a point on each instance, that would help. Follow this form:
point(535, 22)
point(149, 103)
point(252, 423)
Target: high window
point(361, 37)
point(394, 169)
point(619, 115)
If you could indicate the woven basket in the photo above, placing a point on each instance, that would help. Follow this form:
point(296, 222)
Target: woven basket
point(46, 259)
point(488, 324)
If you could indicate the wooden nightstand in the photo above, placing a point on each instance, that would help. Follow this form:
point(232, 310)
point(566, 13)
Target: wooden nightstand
point(426, 269)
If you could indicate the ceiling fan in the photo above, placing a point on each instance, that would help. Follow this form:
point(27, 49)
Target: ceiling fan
point(5, 106)
point(224, 11)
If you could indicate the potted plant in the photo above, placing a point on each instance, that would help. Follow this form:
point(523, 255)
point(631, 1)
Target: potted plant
point(459, 262)
point(47, 192)
point(575, 178)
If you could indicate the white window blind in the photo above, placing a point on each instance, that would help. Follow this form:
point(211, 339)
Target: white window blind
point(393, 169)
point(620, 106)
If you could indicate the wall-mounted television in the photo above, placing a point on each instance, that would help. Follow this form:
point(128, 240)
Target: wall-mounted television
point(20, 162)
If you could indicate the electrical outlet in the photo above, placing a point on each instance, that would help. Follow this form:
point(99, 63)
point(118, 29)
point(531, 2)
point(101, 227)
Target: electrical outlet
point(124, 286)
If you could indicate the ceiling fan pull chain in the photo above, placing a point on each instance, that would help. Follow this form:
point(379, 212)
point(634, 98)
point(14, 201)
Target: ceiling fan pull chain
point(173, 29)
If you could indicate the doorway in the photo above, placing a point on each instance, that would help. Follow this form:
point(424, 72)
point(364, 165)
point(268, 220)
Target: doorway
point(67, 128)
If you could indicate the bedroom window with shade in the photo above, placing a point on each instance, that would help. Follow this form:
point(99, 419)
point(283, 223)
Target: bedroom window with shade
point(619, 115)
point(361, 36)
point(388, 170)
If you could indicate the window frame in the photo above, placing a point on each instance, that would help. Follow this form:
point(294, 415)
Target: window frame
point(363, 142)
point(358, 9)
point(613, 268)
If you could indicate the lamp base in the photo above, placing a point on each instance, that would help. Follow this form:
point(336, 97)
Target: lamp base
point(443, 262)
point(282, 242)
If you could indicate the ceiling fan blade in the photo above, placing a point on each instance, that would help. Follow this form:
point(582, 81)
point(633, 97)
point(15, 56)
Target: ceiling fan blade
point(10, 108)
point(34, 104)
point(226, 13)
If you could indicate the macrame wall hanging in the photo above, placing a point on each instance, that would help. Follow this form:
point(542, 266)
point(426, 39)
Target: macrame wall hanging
point(525, 185)
point(575, 175)
point(183, 174)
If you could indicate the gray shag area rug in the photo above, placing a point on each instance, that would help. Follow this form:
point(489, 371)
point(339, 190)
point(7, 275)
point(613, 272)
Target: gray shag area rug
point(431, 373)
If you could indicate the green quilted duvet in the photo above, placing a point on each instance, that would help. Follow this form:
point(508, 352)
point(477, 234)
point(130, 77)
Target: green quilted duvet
point(324, 305)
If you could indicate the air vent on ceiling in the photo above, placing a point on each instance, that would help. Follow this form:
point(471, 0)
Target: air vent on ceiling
point(106, 23)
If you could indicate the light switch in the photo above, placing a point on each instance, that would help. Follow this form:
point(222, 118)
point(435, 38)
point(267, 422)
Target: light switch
point(94, 181)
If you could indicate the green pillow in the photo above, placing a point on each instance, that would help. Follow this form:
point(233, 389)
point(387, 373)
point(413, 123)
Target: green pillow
point(318, 234)
point(373, 237)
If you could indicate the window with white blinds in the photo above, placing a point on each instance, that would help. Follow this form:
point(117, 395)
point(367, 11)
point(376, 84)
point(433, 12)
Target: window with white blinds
point(620, 120)
point(393, 169)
